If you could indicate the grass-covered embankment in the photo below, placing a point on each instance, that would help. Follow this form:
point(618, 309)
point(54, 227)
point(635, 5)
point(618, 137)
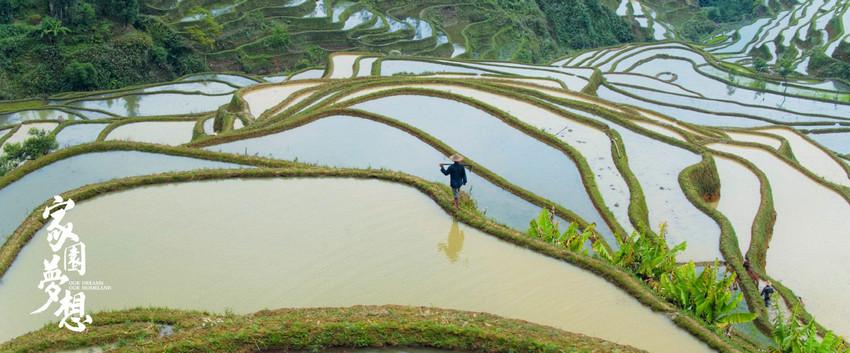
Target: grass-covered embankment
point(438, 192)
point(315, 329)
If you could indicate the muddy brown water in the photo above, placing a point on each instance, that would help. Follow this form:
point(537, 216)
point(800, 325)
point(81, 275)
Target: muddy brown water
point(246, 245)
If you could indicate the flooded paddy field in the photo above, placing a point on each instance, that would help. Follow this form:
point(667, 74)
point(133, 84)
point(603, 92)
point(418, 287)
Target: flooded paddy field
point(157, 104)
point(67, 174)
point(799, 253)
point(161, 132)
point(79, 134)
point(740, 198)
point(592, 143)
point(629, 138)
point(350, 142)
point(489, 141)
point(838, 141)
point(342, 262)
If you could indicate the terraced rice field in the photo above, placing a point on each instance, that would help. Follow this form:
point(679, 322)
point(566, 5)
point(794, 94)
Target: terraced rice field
point(606, 137)
point(327, 25)
point(363, 231)
point(807, 27)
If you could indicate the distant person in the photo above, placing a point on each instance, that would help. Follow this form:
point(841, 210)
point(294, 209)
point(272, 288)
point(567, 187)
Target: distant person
point(766, 292)
point(457, 175)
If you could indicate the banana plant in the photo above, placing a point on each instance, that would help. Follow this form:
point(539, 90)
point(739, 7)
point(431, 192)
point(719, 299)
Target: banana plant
point(644, 254)
point(708, 295)
point(791, 336)
point(545, 228)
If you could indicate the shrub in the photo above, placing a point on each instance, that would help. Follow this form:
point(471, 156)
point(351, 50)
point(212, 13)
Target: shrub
point(785, 65)
point(135, 43)
point(706, 295)
point(38, 144)
point(80, 76)
point(278, 39)
point(729, 10)
point(126, 11)
point(584, 23)
point(697, 27)
point(34, 19)
point(206, 30)
point(9, 9)
point(546, 228)
point(793, 337)
point(82, 15)
point(825, 66)
point(706, 180)
point(314, 55)
point(159, 55)
point(644, 254)
point(760, 65)
point(6, 166)
point(51, 29)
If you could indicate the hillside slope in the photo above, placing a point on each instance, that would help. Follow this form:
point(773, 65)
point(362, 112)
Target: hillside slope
point(49, 46)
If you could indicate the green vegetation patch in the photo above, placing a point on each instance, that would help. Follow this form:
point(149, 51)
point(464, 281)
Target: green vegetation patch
point(314, 329)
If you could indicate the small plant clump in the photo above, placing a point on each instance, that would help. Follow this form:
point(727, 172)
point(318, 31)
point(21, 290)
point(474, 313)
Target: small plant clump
point(644, 254)
point(39, 143)
point(706, 180)
point(206, 30)
point(791, 336)
point(546, 228)
point(706, 295)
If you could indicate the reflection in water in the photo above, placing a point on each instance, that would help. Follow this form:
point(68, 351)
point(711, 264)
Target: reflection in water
point(55, 178)
point(319, 242)
point(78, 134)
point(491, 142)
point(361, 143)
point(454, 245)
point(131, 104)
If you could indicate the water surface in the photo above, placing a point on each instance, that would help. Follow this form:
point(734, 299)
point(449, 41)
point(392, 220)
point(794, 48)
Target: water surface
point(740, 198)
point(393, 67)
point(838, 142)
point(78, 134)
point(508, 152)
point(19, 198)
point(23, 132)
point(161, 132)
point(27, 115)
point(237, 80)
point(308, 74)
point(808, 249)
point(321, 242)
point(593, 144)
point(156, 104)
point(680, 114)
point(356, 19)
point(349, 142)
point(665, 200)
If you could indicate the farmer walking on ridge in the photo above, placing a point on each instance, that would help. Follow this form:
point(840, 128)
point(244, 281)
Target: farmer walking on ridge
point(766, 292)
point(457, 175)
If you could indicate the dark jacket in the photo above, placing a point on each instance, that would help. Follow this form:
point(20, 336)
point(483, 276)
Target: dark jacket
point(766, 292)
point(458, 175)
